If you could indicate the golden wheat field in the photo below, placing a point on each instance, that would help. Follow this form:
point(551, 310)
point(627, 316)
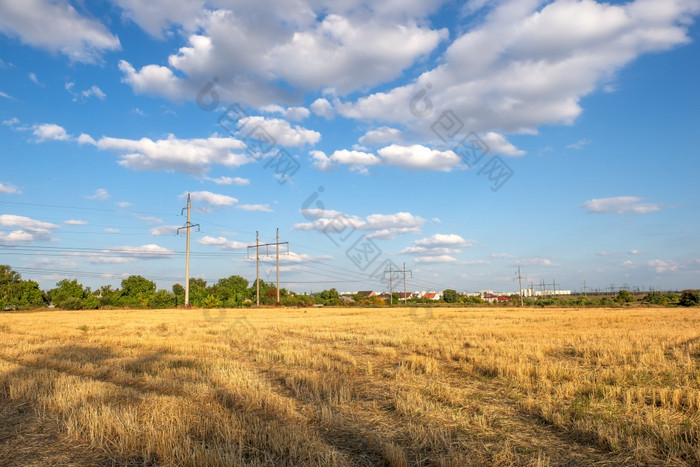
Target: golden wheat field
point(341, 386)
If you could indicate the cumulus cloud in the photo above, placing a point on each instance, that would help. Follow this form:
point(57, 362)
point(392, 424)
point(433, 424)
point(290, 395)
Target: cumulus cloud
point(294, 114)
point(8, 189)
point(229, 181)
point(50, 131)
point(661, 266)
point(524, 64)
point(282, 131)
point(323, 108)
point(419, 157)
point(620, 205)
point(343, 156)
point(255, 207)
point(380, 225)
point(438, 248)
point(26, 229)
point(381, 136)
point(164, 230)
point(345, 49)
point(212, 199)
point(57, 27)
point(534, 262)
point(222, 242)
point(100, 194)
point(190, 156)
point(128, 254)
point(75, 222)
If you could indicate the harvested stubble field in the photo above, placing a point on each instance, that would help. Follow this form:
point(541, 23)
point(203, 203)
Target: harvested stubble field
point(351, 387)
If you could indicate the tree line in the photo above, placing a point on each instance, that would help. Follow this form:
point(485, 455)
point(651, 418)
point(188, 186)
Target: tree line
point(235, 291)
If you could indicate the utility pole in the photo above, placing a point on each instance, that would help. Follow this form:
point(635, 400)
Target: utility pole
point(391, 288)
point(257, 262)
point(187, 227)
point(584, 288)
point(554, 287)
point(405, 297)
point(520, 287)
point(391, 272)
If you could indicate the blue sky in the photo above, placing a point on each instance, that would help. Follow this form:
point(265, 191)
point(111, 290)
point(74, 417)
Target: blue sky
point(463, 139)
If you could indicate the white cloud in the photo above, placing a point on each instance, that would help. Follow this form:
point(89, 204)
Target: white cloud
point(381, 135)
point(50, 131)
point(502, 256)
point(498, 144)
point(222, 242)
point(212, 199)
point(110, 230)
point(57, 27)
point(94, 91)
point(164, 230)
point(345, 50)
point(6, 95)
point(580, 144)
point(381, 225)
point(75, 222)
point(191, 156)
point(634, 252)
point(84, 138)
point(255, 207)
point(534, 262)
point(8, 189)
point(438, 248)
point(128, 254)
point(28, 229)
point(230, 181)
point(419, 157)
point(661, 266)
point(620, 205)
point(283, 132)
point(100, 194)
point(290, 113)
point(524, 64)
point(323, 108)
point(445, 240)
point(435, 259)
point(123, 204)
point(11, 121)
point(33, 78)
point(343, 156)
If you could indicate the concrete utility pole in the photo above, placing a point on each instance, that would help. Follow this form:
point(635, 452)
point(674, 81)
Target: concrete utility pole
point(257, 262)
point(554, 287)
point(187, 227)
point(520, 287)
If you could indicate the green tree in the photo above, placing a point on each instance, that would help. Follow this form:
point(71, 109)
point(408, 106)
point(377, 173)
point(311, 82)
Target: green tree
point(198, 291)
point(689, 298)
point(625, 296)
point(450, 296)
point(68, 295)
point(163, 299)
point(328, 298)
point(136, 292)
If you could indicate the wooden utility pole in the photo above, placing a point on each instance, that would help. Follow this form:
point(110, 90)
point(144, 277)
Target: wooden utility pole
point(187, 227)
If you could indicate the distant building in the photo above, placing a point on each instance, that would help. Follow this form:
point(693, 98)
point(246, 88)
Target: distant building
point(367, 293)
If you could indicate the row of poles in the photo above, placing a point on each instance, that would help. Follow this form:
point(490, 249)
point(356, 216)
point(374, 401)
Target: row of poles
point(189, 225)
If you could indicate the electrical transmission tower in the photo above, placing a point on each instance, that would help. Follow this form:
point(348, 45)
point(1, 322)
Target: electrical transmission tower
point(187, 227)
